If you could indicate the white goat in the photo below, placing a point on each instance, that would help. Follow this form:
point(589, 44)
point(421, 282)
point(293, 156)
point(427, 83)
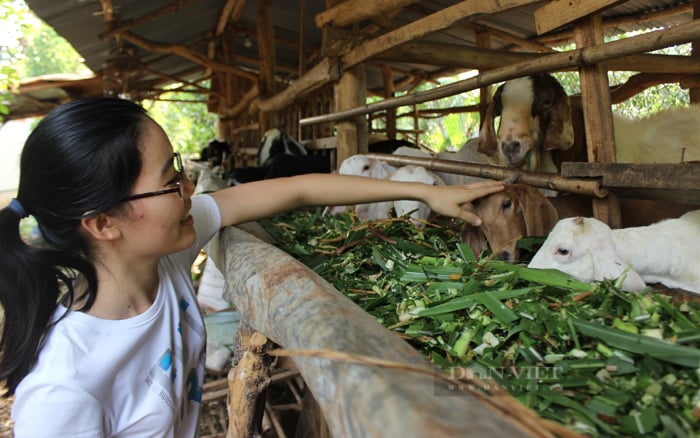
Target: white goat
point(467, 154)
point(419, 212)
point(361, 165)
point(667, 252)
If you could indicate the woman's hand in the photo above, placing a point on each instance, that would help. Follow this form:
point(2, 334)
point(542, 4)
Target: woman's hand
point(451, 200)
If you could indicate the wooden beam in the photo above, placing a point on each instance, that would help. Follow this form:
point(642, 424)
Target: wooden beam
point(324, 72)
point(440, 20)
point(243, 103)
point(353, 11)
point(185, 52)
point(476, 26)
point(636, 20)
point(557, 13)
point(670, 182)
point(480, 58)
point(153, 15)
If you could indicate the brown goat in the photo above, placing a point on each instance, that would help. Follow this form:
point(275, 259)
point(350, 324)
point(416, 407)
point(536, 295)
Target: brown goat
point(521, 211)
point(508, 216)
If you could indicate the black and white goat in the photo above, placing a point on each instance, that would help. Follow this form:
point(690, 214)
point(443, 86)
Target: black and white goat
point(276, 142)
point(539, 129)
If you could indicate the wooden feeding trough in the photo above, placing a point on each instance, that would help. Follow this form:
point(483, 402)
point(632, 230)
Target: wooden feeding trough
point(367, 381)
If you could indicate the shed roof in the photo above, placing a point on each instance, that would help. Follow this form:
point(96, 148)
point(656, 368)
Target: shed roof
point(163, 41)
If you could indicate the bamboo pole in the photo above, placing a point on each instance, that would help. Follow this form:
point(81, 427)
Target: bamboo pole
point(551, 181)
point(577, 57)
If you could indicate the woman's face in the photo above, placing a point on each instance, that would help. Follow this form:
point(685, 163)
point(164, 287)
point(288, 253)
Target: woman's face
point(158, 225)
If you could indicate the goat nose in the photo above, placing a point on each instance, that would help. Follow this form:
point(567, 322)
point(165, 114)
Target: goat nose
point(510, 148)
point(503, 255)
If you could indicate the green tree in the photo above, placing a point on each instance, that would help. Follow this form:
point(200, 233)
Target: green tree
point(12, 15)
point(189, 125)
point(64, 59)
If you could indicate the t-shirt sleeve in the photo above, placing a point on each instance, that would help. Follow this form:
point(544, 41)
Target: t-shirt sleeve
point(207, 221)
point(57, 411)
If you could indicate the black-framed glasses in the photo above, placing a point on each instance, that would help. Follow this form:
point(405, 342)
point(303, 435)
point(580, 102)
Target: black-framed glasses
point(177, 165)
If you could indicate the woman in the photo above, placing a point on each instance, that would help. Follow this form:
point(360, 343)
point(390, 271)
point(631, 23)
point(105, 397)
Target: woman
point(102, 335)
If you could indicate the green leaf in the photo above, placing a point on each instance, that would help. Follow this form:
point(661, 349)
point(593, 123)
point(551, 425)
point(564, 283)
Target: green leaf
point(662, 350)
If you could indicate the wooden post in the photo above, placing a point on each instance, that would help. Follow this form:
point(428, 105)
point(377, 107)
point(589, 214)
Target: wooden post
point(247, 381)
point(351, 92)
point(597, 111)
point(695, 92)
point(389, 93)
point(483, 40)
point(266, 49)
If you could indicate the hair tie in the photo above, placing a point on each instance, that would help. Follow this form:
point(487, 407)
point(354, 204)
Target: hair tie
point(16, 206)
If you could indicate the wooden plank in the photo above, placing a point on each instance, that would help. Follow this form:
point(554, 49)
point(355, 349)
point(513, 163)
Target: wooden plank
point(557, 13)
point(672, 182)
point(437, 21)
point(350, 12)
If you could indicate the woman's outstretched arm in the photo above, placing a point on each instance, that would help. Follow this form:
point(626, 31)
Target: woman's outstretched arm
point(261, 199)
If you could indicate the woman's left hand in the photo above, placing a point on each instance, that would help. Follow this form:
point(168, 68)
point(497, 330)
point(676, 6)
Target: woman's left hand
point(451, 200)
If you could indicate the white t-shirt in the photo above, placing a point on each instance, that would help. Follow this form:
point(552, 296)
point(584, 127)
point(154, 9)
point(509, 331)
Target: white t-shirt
point(137, 377)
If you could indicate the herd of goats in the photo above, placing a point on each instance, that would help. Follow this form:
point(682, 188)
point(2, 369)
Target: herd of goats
point(537, 130)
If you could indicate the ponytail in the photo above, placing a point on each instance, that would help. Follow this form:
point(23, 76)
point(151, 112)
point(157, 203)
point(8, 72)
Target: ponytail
point(31, 281)
point(82, 157)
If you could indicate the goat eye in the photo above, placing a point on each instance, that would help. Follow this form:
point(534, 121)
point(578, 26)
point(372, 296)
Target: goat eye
point(563, 252)
point(365, 169)
point(507, 204)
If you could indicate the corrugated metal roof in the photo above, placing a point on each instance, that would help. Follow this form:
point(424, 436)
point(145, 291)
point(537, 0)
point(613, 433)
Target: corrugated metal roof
point(82, 22)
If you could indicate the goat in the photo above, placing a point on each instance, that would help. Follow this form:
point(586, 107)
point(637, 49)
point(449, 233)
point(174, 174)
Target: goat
point(523, 211)
point(539, 129)
point(361, 165)
point(418, 211)
point(666, 252)
point(467, 154)
point(275, 142)
point(507, 216)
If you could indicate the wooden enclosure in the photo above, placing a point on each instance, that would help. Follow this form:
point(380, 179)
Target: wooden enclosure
point(309, 66)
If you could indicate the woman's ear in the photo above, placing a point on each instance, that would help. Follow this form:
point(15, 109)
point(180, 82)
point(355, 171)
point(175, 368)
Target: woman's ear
point(101, 227)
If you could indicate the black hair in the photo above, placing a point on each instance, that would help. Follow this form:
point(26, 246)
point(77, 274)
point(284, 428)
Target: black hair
point(81, 159)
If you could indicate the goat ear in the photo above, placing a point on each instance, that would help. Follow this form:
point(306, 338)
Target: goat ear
point(560, 132)
point(539, 214)
point(488, 144)
point(474, 237)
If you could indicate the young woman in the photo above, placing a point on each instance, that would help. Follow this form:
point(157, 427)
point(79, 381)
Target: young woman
point(102, 335)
